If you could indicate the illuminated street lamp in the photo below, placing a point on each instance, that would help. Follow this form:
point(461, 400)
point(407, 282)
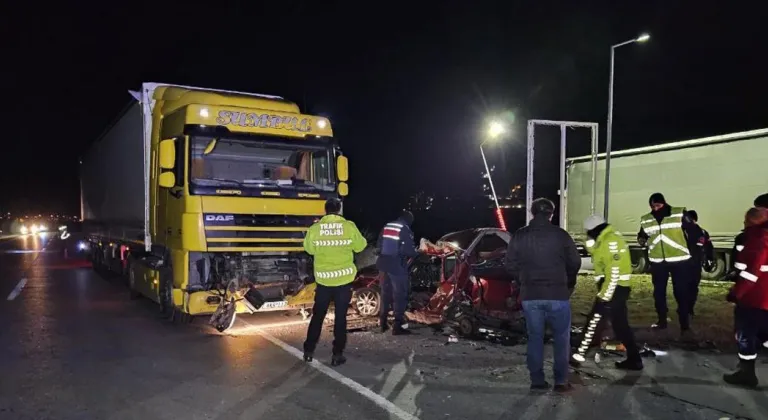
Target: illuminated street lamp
point(609, 129)
point(495, 130)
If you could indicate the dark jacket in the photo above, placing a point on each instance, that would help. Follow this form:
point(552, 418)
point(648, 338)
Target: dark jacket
point(700, 244)
point(544, 259)
point(394, 247)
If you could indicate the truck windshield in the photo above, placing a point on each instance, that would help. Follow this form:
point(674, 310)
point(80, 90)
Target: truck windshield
point(260, 162)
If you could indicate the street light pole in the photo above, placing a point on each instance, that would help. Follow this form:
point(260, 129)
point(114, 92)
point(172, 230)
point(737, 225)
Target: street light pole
point(609, 126)
point(488, 173)
point(499, 214)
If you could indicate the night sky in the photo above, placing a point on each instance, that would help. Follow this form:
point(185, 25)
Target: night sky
point(408, 88)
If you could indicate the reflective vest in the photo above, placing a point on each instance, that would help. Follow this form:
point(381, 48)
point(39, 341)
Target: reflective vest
point(333, 241)
point(666, 240)
point(611, 260)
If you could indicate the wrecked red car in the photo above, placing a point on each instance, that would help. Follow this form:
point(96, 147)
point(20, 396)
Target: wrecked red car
point(472, 290)
point(424, 275)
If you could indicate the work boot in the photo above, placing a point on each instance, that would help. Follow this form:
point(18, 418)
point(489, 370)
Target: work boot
point(563, 388)
point(400, 329)
point(544, 386)
point(308, 356)
point(686, 334)
point(630, 364)
point(338, 359)
point(744, 376)
point(661, 325)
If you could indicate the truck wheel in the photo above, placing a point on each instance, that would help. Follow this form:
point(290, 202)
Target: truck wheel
point(639, 263)
point(132, 293)
point(367, 302)
point(166, 293)
point(717, 271)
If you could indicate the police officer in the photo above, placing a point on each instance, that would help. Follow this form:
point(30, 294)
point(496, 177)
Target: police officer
point(395, 247)
point(702, 255)
point(664, 231)
point(613, 270)
point(332, 241)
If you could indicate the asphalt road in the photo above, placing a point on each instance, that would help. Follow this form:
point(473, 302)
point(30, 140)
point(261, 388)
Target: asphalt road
point(73, 346)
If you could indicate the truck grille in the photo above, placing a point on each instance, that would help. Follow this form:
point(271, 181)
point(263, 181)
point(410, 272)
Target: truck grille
point(260, 233)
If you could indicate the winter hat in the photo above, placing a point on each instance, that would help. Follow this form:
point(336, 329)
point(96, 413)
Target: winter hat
point(657, 198)
point(593, 221)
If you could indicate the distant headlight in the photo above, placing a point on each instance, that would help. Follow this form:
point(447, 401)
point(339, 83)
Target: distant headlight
point(33, 229)
point(24, 230)
point(42, 228)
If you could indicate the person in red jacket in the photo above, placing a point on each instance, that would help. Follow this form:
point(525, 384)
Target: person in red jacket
point(750, 294)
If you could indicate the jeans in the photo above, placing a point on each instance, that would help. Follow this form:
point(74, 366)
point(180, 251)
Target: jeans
point(324, 295)
point(681, 286)
point(394, 293)
point(556, 313)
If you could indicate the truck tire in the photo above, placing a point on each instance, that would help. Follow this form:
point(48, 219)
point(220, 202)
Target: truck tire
point(132, 293)
point(165, 293)
point(640, 263)
point(718, 271)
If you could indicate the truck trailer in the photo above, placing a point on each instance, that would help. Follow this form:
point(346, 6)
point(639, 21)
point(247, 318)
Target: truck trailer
point(201, 198)
point(718, 176)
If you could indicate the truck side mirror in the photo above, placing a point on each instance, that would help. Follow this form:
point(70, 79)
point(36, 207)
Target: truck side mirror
point(167, 179)
point(167, 153)
point(342, 168)
point(343, 189)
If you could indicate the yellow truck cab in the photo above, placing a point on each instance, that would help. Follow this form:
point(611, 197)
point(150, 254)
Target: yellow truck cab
point(202, 198)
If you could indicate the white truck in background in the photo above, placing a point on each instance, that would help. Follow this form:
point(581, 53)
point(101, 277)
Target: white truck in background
point(717, 176)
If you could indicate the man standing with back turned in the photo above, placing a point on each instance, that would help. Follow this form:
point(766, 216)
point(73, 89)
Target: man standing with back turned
point(332, 241)
point(395, 247)
point(544, 259)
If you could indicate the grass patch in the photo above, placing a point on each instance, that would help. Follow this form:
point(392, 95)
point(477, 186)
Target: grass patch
point(713, 321)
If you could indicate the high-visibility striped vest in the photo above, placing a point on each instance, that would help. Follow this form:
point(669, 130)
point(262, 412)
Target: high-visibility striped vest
point(666, 240)
point(333, 241)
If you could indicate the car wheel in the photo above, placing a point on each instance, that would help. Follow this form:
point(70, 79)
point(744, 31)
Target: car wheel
point(467, 327)
point(367, 302)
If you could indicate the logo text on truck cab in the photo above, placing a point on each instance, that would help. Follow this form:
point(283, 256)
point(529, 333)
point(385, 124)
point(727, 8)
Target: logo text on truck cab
point(248, 119)
point(219, 218)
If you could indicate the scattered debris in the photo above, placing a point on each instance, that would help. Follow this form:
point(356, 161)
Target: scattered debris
point(453, 339)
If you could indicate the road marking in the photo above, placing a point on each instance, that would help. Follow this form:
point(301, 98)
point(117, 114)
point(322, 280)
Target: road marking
point(23, 282)
point(17, 290)
point(377, 399)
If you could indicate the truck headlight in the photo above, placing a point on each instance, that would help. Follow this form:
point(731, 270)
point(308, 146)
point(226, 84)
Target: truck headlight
point(24, 230)
point(33, 229)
